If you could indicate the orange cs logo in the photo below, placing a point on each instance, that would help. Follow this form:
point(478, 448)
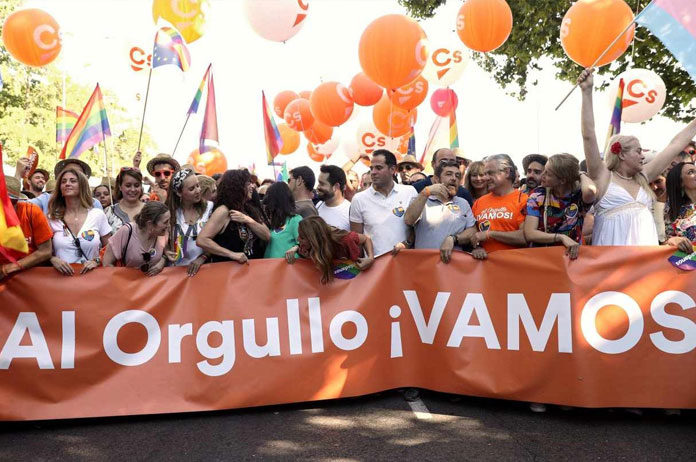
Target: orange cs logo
point(637, 89)
point(139, 59)
point(442, 57)
point(301, 17)
point(370, 140)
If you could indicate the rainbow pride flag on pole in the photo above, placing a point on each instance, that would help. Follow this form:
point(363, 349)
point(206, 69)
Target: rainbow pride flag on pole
point(65, 121)
point(199, 93)
point(674, 23)
point(170, 48)
point(91, 127)
point(274, 143)
point(11, 235)
point(453, 132)
point(615, 124)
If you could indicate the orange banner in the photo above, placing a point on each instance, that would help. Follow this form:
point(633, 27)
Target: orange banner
point(615, 328)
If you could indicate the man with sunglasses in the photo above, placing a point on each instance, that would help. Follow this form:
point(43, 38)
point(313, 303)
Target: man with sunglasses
point(407, 167)
point(442, 155)
point(691, 150)
point(162, 167)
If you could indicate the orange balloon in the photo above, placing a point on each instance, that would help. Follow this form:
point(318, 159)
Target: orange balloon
point(393, 50)
point(484, 25)
point(589, 27)
point(281, 101)
point(291, 139)
point(403, 146)
point(331, 103)
point(306, 94)
point(365, 91)
point(209, 163)
point(32, 37)
point(392, 120)
point(319, 133)
point(410, 96)
point(314, 154)
point(298, 115)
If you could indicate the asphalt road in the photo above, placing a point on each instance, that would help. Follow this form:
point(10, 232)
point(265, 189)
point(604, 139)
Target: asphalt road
point(376, 427)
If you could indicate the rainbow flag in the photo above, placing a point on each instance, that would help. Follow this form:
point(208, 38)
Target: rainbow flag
point(412, 144)
point(209, 130)
point(674, 23)
point(274, 143)
point(65, 121)
point(170, 48)
point(199, 93)
point(91, 127)
point(615, 124)
point(453, 132)
point(11, 235)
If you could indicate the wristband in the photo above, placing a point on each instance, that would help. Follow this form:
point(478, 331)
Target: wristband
point(427, 191)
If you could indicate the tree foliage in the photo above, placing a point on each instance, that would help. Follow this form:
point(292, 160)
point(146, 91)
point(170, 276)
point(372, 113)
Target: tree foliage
point(536, 35)
point(28, 103)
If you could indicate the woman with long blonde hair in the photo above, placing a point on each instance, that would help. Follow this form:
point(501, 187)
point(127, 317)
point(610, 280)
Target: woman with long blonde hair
point(323, 244)
point(475, 180)
point(624, 202)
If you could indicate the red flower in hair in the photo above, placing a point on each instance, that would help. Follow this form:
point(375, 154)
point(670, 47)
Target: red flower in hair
point(616, 148)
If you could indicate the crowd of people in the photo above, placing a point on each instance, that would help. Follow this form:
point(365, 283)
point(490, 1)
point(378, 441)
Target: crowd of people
point(178, 217)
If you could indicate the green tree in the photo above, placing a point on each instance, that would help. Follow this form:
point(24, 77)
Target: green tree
point(536, 34)
point(28, 103)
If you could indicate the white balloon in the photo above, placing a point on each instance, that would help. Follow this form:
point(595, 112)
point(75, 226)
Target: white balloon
point(276, 20)
point(329, 147)
point(370, 139)
point(446, 64)
point(643, 97)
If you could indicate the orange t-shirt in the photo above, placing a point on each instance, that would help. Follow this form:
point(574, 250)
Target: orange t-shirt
point(500, 213)
point(34, 226)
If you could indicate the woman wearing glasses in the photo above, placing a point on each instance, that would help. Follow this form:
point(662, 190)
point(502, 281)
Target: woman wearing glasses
point(79, 229)
point(129, 189)
point(141, 244)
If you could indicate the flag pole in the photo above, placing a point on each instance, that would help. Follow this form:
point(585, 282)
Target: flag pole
point(142, 121)
point(106, 170)
point(605, 52)
point(180, 134)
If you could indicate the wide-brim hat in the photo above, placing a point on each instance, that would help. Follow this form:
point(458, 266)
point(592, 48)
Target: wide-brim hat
point(162, 159)
point(14, 188)
point(50, 186)
point(60, 166)
point(44, 172)
point(410, 159)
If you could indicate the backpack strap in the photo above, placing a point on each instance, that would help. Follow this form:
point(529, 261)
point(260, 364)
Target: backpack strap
point(125, 249)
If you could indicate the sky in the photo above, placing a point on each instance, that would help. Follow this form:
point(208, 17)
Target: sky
point(98, 35)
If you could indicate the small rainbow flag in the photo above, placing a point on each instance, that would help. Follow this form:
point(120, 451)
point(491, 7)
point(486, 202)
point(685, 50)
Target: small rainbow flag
point(91, 127)
point(170, 48)
point(11, 235)
point(615, 124)
point(199, 93)
point(65, 121)
point(453, 132)
point(274, 143)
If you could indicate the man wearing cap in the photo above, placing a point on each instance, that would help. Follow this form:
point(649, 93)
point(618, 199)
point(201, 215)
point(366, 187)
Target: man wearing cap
point(162, 167)
point(35, 228)
point(442, 155)
point(407, 167)
point(42, 200)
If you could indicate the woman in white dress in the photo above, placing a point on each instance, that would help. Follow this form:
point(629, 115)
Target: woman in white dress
point(623, 208)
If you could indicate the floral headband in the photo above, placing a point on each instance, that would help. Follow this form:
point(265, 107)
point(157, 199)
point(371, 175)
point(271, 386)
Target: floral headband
point(179, 177)
point(616, 148)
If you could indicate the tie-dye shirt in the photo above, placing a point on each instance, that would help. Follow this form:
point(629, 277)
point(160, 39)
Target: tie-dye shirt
point(684, 225)
point(563, 215)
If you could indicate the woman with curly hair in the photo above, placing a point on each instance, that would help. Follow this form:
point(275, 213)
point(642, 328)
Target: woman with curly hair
point(236, 230)
point(623, 211)
point(475, 180)
point(323, 244)
point(279, 206)
point(681, 214)
point(189, 213)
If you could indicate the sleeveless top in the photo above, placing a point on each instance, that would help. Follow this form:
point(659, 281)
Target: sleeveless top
point(622, 220)
point(238, 238)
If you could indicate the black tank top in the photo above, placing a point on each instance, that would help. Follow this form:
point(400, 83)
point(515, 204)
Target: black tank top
point(239, 238)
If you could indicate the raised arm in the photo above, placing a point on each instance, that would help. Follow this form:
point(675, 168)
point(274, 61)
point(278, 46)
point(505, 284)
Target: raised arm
point(654, 168)
point(595, 165)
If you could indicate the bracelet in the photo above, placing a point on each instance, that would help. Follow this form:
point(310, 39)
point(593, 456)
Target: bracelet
point(427, 191)
point(20, 265)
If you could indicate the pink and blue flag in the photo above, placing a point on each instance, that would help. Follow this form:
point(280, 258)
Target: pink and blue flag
point(209, 131)
point(674, 23)
point(170, 48)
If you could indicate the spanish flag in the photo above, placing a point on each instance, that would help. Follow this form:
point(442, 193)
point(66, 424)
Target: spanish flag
point(11, 236)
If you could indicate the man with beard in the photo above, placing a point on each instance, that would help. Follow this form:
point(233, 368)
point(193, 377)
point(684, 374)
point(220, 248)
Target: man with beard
point(442, 220)
point(533, 166)
point(333, 208)
point(407, 167)
point(37, 181)
point(162, 167)
point(301, 183)
point(439, 156)
point(379, 210)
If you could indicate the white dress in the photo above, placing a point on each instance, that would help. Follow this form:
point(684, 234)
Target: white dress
point(622, 220)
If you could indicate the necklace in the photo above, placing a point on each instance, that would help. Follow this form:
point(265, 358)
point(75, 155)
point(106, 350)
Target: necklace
point(623, 177)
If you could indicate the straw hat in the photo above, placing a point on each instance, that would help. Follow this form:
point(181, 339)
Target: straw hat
point(46, 175)
point(14, 188)
point(64, 163)
point(50, 186)
point(162, 159)
point(410, 160)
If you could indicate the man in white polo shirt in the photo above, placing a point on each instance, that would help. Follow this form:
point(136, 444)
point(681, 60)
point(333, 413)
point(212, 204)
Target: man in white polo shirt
point(379, 210)
point(333, 208)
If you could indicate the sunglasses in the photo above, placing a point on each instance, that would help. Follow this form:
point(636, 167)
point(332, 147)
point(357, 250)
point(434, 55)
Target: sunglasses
point(691, 152)
point(146, 266)
point(164, 173)
point(406, 167)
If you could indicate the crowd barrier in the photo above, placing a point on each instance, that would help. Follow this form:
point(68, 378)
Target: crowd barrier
point(614, 328)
